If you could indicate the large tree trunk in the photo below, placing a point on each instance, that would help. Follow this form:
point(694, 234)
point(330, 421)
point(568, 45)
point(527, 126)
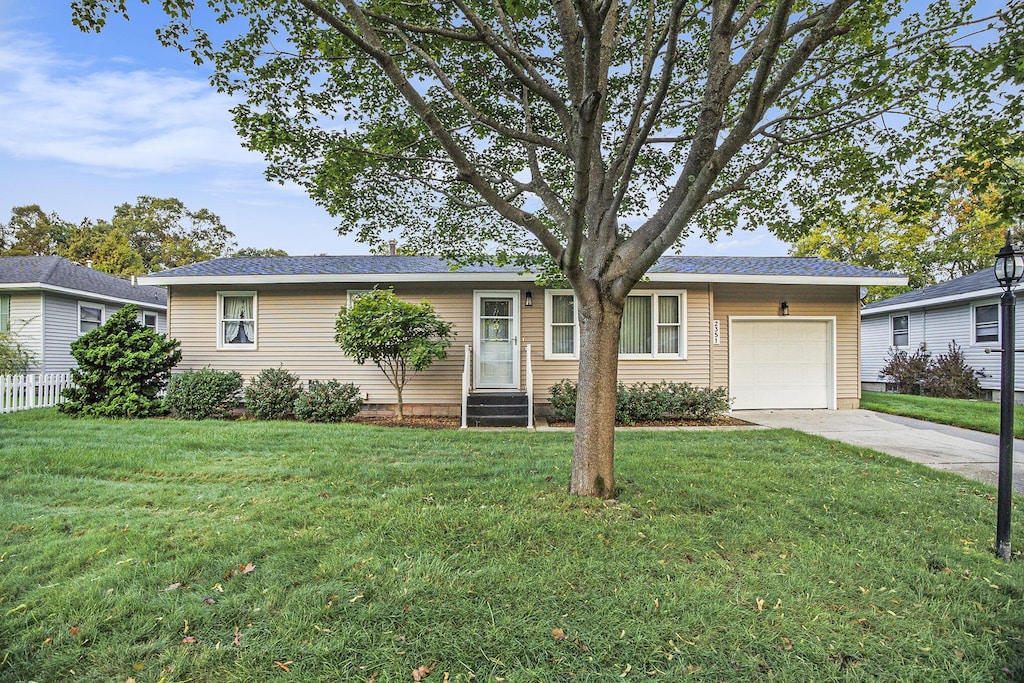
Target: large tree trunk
point(593, 457)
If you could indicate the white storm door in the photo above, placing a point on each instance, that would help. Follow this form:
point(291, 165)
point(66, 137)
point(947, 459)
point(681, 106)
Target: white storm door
point(496, 340)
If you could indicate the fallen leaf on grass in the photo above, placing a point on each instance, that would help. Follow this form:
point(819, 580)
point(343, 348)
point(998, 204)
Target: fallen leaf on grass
point(173, 587)
point(188, 640)
point(558, 634)
point(242, 569)
point(209, 601)
point(422, 672)
point(238, 635)
point(74, 630)
point(283, 666)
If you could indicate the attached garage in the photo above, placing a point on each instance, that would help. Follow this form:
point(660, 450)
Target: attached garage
point(782, 363)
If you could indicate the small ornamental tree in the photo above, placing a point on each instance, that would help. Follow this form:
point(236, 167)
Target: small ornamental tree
point(122, 366)
point(401, 338)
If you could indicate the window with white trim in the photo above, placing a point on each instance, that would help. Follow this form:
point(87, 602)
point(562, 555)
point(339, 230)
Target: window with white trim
point(561, 325)
point(5, 312)
point(149, 320)
point(354, 294)
point(986, 323)
point(90, 316)
point(236, 320)
point(900, 330)
point(653, 325)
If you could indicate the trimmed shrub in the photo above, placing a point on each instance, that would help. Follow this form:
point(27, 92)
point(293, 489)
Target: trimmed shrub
point(271, 394)
point(949, 376)
point(696, 403)
point(640, 402)
point(649, 402)
point(203, 394)
point(122, 368)
point(329, 401)
point(905, 371)
point(563, 400)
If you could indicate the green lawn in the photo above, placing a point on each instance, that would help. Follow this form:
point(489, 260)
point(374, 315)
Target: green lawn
point(169, 551)
point(982, 416)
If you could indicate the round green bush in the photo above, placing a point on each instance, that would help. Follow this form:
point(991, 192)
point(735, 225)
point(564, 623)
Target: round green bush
point(271, 394)
point(329, 401)
point(202, 394)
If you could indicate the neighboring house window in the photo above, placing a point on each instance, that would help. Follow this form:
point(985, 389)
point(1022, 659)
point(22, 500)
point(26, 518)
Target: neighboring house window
point(149, 320)
point(562, 331)
point(5, 312)
point(901, 330)
point(986, 323)
point(354, 294)
point(90, 316)
point(653, 325)
point(236, 313)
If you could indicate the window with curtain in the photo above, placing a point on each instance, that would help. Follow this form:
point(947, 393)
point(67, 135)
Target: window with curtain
point(652, 325)
point(237, 320)
point(986, 323)
point(90, 316)
point(5, 312)
point(901, 330)
point(563, 328)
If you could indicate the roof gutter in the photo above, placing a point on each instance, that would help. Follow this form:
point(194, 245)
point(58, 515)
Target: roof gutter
point(936, 301)
point(508, 277)
point(78, 293)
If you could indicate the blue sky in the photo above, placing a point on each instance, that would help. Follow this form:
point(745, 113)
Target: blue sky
point(92, 121)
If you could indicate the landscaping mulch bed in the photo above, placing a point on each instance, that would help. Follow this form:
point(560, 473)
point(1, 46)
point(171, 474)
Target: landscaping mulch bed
point(724, 421)
point(428, 422)
point(418, 421)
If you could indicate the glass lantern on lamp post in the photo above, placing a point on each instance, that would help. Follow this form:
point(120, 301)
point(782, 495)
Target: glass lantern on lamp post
point(1009, 268)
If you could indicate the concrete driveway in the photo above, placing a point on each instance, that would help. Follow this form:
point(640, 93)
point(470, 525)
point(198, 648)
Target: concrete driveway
point(972, 454)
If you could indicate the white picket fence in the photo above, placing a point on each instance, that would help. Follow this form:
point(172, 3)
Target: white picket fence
point(24, 392)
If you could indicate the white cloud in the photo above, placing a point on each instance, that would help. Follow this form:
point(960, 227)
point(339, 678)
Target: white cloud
point(120, 122)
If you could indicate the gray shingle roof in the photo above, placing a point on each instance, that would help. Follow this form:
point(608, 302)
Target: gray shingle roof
point(60, 272)
point(964, 287)
point(427, 265)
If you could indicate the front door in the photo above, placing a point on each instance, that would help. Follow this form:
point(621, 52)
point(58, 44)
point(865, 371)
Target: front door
point(496, 340)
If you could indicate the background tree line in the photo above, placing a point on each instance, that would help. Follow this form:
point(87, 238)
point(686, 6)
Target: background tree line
point(150, 235)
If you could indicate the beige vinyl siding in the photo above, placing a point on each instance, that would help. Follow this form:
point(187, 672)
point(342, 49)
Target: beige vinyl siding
point(840, 302)
point(695, 368)
point(295, 330)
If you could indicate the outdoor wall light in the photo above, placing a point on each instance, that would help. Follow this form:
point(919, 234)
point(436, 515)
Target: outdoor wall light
point(783, 308)
point(528, 300)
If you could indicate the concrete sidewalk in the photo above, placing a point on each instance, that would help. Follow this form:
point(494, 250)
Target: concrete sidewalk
point(972, 454)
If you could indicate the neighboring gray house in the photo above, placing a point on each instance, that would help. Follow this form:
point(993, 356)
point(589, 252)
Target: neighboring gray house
point(48, 302)
point(964, 310)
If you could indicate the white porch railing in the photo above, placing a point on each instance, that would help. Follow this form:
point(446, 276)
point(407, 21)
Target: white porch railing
point(529, 386)
point(467, 382)
point(24, 392)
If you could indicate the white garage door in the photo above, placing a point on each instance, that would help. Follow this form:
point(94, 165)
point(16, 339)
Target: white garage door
point(780, 364)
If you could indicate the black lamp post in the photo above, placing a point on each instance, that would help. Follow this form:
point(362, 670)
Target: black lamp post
point(1009, 270)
